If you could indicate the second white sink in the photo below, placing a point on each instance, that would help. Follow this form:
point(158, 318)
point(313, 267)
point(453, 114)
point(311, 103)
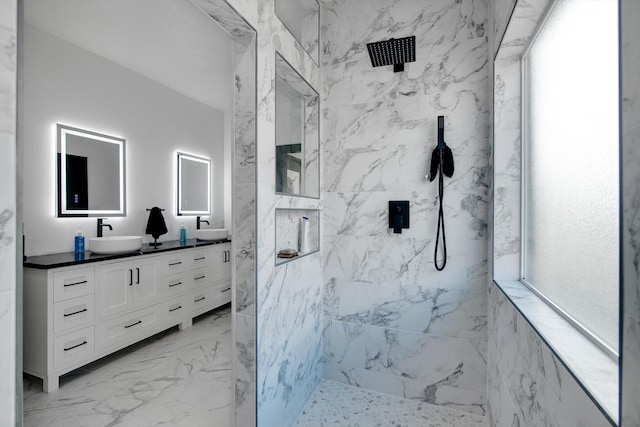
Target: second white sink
point(210, 234)
point(115, 244)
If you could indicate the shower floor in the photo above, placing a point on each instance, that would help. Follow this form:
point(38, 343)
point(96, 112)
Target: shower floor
point(337, 404)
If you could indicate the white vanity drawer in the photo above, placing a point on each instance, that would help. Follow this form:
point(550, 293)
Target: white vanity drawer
point(127, 327)
point(173, 285)
point(201, 301)
point(73, 347)
point(73, 313)
point(73, 283)
point(200, 258)
point(176, 308)
point(222, 290)
point(200, 277)
point(174, 263)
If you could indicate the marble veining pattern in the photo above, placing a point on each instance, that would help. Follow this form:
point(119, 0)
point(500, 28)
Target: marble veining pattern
point(392, 322)
point(527, 381)
point(336, 404)
point(288, 296)
point(179, 378)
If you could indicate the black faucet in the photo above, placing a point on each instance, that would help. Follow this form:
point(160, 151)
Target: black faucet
point(198, 221)
point(100, 225)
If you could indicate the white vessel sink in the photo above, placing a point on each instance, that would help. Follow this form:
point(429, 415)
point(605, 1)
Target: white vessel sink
point(115, 244)
point(212, 234)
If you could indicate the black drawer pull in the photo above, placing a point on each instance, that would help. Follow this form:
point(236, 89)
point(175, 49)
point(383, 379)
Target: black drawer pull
point(199, 299)
point(175, 284)
point(225, 290)
point(75, 312)
point(176, 308)
point(138, 271)
point(133, 324)
point(199, 277)
point(73, 284)
point(130, 277)
point(75, 346)
point(199, 259)
point(171, 264)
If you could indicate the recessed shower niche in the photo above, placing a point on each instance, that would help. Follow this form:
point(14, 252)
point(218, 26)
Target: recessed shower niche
point(297, 134)
point(302, 19)
point(297, 233)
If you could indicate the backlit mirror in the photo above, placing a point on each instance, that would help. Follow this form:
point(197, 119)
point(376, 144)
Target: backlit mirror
point(194, 185)
point(91, 177)
point(297, 137)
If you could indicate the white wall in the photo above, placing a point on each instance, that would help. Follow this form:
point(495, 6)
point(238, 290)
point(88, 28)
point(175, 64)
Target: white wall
point(67, 84)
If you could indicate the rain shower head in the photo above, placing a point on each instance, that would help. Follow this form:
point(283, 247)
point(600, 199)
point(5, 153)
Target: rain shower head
point(394, 52)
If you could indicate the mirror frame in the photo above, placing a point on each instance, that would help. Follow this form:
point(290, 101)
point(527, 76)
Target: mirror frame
point(180, 211)
point(61, 176)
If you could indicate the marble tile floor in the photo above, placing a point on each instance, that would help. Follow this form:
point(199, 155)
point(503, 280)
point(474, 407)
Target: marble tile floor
point(175, 378)
point(337, 404)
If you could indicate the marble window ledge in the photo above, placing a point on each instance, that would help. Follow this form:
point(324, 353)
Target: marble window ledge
point(592, 368)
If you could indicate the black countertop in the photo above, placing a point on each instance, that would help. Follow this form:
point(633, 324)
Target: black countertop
point(66, 259)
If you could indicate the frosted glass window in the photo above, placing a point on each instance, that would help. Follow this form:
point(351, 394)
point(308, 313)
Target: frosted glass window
point(571, 248)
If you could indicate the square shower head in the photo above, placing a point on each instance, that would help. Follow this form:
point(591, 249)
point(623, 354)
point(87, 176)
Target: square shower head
point(394, 52)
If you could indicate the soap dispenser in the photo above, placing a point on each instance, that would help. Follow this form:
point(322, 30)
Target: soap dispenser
point(183, 235)
point(78, 245)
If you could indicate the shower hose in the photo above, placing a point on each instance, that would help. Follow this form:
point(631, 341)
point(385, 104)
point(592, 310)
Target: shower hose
point(440, 220)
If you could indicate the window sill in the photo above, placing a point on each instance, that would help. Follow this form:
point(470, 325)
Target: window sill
point(594, 369)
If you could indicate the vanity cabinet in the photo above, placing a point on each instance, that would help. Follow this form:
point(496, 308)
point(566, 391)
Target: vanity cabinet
point(126, 286)
point(76, 314)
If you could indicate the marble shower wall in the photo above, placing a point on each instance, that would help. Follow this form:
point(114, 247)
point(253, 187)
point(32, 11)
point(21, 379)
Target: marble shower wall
point(527, 383)
point(630, 149)
point(392, 322)
point(288, 296)
point(10, 407)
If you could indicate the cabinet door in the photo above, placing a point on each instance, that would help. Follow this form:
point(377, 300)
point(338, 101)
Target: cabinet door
point(221, 262)
point(114, 281)
point(145, 288)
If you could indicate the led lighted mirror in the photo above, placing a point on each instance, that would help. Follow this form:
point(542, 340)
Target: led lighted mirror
point(194, 185)
point(90, 173)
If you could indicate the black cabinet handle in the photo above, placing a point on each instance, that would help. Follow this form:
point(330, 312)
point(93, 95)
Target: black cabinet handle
point(176, 308)
point(225, 290)
point(73, 284)
point(130, 277)
point(138, 271)
point(133, 324)
point(199, 299)
point(199, 259)
point(171, 264)
point(75, 346)
point(175, 284)
point(199, 277)
point(75, 312)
